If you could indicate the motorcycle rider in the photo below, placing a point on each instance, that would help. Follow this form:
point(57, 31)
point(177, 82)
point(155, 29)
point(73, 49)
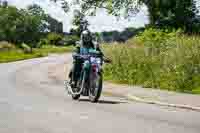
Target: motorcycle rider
point(86, 43)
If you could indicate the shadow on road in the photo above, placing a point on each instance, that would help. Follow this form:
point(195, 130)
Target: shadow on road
point(103, 101)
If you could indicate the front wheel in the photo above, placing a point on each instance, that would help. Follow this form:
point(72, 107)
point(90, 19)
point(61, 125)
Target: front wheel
point(95, 88)
point(75, 97)
point(73, 87)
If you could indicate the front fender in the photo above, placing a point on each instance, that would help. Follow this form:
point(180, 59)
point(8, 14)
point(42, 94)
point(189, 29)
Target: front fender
point(86, 65)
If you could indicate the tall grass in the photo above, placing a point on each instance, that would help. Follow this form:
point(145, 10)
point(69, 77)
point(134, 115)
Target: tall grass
point(157, 59)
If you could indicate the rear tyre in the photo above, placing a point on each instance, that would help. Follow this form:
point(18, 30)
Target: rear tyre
point(95, 88)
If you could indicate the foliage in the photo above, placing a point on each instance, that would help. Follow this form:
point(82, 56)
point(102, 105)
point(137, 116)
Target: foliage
point(162, 13)
point(3, 3)
point(27, 25)
point(70, 39)
point(18, 26)
point(54, 25)
point(157, 38)
point(36, 10)
point(26, 48)
point(176, 14)
point(54, 38)
point(47, 49)
point(18, 54)
point(172, 64)
point(5, 46)
point(8, 18)
point(42, 42)
point(117, 36)
point(80, 23)
point(65, 4)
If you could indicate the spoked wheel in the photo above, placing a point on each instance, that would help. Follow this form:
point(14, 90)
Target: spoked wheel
point(75, 96)
point(70, 90)
point(79, 87)
point(73, 88)
point(95, 87)
point(76, 89)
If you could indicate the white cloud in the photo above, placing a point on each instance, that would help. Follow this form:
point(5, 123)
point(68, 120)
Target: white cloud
point(102, 21)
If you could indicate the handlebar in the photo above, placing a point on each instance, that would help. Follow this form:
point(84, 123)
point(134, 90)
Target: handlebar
point(86, 57)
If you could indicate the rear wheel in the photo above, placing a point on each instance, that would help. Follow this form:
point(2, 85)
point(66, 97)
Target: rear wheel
point(95, 89)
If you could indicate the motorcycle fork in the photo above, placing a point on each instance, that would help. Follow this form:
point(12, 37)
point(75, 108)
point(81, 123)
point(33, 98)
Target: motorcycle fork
point(85, 83)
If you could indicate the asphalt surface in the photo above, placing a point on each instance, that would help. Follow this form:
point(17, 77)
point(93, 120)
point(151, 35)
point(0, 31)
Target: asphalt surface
point(31, 101)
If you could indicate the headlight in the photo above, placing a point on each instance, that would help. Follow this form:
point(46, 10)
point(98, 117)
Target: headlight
point(92, 59)
point(95, 60)
point(98, 60)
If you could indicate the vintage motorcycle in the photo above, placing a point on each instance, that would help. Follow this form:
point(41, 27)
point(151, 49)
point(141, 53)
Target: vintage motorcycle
point(90, 80)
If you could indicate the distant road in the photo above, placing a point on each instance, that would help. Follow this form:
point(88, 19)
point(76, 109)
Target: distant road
point(33, 101)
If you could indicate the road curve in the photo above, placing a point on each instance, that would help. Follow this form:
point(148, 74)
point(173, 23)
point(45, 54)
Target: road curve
point(32, 101)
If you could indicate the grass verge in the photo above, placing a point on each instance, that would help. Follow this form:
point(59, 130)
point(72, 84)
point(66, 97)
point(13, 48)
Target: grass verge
point(18, 54)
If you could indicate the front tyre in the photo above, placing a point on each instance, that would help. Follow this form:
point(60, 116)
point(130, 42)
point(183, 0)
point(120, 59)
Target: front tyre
point(75, 97)
point(75, 89)
point(79, 86)
point(95, 87)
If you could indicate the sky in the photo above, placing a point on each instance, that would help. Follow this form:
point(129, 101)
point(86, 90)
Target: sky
point(101, 22)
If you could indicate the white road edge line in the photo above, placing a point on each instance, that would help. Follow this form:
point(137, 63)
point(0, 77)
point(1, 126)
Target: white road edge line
point(137, 99)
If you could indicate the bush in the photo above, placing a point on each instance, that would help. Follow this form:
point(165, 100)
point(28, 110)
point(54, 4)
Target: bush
point(71, 39)
point(54, 38)
point(156, 38)
point(173, 65)
point(26, 48)
point(42, 43)
point(5, 46)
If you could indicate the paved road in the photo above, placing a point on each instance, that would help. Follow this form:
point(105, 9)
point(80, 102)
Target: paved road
point(32, 101)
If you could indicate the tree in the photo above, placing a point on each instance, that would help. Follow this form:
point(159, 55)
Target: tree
point(162, 13)
point(31, 25)
point(170, 13)
point(36, 10)
point(80, 23)
point(20, 26)
point(65, 4)
point(48, 23)
point(54, 38)
point(54, 25)
point(9, 17)
point(3, 3)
